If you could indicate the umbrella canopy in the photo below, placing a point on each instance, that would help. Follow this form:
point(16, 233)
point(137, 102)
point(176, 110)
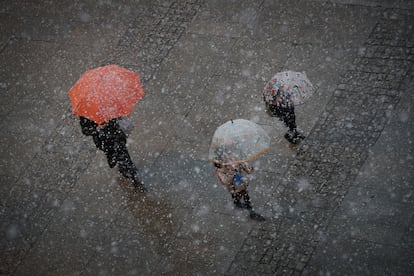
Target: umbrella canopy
point(293, 87)
point(106, 93)
point(238, 141)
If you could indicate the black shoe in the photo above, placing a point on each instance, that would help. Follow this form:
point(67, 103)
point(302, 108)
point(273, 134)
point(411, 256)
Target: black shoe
point(139, 185)
point(294, 137)
point(256, 216)
point(242, 205)
point(300, 135)
point(290, 138)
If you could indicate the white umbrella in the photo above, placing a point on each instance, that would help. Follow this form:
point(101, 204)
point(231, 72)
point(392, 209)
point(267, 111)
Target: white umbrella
point(238, 141)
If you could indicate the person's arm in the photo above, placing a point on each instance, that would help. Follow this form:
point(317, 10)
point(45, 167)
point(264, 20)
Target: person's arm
point(117, 131)
point(247, 168)
point(88, 127)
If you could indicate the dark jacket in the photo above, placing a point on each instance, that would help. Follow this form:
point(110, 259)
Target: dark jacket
point(88, 126)
point(110, 138)
point(284, 113)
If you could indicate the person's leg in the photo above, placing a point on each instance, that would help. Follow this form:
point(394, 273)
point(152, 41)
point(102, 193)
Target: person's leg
point(111, 156)
point(292, 135)
point(279, 112)
point(238, 196)
point(98, 143)
point(127, 168)
point(246, 198)
point(106, 145)
point(108, 148)
point(247, 204)
point(290, 118)
point(236, 199)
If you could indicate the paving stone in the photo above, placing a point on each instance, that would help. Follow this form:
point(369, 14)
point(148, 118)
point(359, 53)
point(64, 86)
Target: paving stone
point(64, 212)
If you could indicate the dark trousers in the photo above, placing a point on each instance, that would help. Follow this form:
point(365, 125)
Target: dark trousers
point(112, 141)
point(285, 114)
point(117, 153)
point(125, 165)
point(238, 196)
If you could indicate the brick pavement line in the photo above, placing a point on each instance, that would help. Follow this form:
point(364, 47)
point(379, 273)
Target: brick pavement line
point(325, 151)
point(155, 32)
point(6, 43)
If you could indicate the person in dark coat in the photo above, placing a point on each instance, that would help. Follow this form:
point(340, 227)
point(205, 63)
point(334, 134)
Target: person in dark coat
point(283, 108)
point(111, 139)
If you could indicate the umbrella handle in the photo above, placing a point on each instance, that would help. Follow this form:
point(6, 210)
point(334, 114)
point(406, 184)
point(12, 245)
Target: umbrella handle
point(228, 163)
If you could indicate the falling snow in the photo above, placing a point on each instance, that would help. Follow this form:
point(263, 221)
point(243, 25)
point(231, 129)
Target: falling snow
point(338, 202)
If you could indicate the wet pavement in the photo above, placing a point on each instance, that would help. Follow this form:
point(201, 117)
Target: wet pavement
point(340, 203)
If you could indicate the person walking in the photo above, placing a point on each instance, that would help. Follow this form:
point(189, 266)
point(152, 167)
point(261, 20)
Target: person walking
point(234, 178)
point(283, 108)
point(111, 138)
point(102, 98)
point(282, 93)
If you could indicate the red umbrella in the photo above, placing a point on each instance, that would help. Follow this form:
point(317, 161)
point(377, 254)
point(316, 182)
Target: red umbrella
point(106, 93)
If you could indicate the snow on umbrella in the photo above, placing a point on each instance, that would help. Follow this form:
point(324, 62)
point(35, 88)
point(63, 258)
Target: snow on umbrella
point(106, 93)
point(238, 141)
point(293, 87)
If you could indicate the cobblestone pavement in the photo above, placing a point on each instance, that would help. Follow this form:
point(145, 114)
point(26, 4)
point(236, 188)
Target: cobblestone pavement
point(64, 212)
point(152, 34)
point(339, 142)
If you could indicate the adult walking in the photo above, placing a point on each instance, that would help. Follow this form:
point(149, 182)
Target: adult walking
point(103, 98)
point(233, 145)
point(111, 138)
point(281, 94)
